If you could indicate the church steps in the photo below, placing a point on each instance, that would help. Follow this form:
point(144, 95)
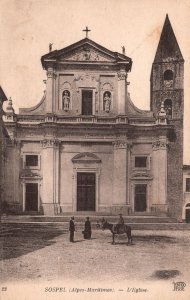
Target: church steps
point(6, 226)
point(80, 218)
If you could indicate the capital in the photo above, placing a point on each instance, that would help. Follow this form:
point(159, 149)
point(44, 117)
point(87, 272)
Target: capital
point(50, 73)
point(120, 144)
point(156, 145)
point(122, 75)
point(50, 143)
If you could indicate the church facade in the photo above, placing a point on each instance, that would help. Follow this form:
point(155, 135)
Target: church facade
point(87, 148)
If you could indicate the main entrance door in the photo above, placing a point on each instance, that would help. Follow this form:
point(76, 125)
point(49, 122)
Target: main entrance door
point(31, 197)
point(187, 215)
point(86, 102)
point(86, 186)
point(140, 197)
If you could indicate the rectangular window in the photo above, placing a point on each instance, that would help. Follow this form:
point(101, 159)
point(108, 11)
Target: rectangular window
point(187, 184)
point(140, 161)
point(86, 102)
point(31, 161)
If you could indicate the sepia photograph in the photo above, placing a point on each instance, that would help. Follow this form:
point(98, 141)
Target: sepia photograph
point(94, 149)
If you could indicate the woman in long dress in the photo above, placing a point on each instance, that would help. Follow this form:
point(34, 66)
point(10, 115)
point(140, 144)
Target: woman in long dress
point(87, 229)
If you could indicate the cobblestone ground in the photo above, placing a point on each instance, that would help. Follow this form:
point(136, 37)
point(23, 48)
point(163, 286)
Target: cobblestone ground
point(44, 253)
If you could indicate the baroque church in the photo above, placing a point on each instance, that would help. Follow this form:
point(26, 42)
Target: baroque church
point(85, 147)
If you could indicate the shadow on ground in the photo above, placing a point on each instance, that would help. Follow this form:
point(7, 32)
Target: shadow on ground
point(154, 238)
point(122, 239)
point(20, 239)
point(79, 241)
point(165, 274)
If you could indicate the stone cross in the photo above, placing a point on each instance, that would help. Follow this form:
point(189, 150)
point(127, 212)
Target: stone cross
point(86, 30)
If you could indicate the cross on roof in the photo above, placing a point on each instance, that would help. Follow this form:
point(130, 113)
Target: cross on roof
point(86, 30)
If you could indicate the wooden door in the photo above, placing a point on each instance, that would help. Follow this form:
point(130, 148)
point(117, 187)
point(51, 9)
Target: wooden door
point(187, 217)
point(140, 197)
point(86, 186)
point(31, 197)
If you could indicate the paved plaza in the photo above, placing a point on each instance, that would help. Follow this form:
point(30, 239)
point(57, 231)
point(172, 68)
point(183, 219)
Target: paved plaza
point(43, 253)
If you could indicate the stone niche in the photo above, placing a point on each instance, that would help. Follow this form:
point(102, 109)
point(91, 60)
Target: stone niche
point(66, 88)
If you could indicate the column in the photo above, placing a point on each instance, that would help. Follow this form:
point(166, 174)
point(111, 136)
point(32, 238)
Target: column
point(122, 92)
point(120, 173)
point(51, 178)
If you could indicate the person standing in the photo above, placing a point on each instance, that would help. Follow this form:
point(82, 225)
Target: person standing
point(87, 229)
point(72, 229)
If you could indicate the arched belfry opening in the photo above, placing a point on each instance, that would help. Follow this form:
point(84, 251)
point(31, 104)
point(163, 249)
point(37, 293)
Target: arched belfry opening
point(168, 107)
point(168, 75)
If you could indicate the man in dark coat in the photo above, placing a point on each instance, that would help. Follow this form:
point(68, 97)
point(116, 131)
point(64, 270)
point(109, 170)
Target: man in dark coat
point(87, 229)
point(72, 229)
point(120, 224)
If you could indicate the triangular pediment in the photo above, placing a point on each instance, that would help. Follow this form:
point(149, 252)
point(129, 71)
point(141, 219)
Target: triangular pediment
point(141, 176)
point(87, 53)
point(85, 50)
point(86, 157)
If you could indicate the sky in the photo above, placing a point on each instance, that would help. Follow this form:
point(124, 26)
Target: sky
point(28, 26)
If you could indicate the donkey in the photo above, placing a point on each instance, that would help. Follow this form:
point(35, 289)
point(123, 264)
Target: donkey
point(117, 230)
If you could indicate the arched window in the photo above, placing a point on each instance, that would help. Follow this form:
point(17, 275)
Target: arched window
point(168, 107)
point(106, 101)
point(66, 100)
point(168, 75)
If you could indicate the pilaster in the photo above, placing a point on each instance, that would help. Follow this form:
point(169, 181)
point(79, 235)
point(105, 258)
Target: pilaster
point(122, 75)
point(12, 171)
point(159, 168)
point(120, 173)
point(51, 175)
point(50, 87)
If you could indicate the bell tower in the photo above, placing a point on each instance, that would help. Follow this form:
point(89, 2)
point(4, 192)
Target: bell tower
point(167, 91)
point(167, 75)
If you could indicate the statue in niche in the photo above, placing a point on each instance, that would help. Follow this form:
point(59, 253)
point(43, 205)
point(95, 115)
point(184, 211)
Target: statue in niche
point(66, 100)
point(107, 101)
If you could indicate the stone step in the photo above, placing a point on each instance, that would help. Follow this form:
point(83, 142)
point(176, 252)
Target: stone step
point(82, 218)
point(80, 226)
